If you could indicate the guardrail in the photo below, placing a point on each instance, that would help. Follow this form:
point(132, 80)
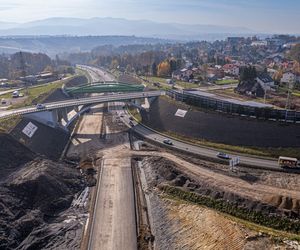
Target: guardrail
point(236, 109)
point(84, 101)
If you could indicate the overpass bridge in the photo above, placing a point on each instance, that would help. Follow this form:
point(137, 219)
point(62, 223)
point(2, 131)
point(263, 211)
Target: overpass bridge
point(104, 87)
point(53, 113)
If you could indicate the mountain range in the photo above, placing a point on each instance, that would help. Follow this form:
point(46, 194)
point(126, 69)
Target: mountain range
point(117, 26)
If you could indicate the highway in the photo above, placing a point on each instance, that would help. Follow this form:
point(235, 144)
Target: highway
point(202, 151)
point(82, 101)
point(206, 152)
point(152, 135)
point(97, 74)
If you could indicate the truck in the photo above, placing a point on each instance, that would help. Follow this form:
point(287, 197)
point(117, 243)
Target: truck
point(288, 162)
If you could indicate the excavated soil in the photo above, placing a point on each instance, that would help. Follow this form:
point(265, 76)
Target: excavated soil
point(180, 225)
point(36, 210)
point(12, 155)
point(166, 171)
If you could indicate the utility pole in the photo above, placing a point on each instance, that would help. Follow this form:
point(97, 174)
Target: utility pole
point(23, 70)
point(288, 99)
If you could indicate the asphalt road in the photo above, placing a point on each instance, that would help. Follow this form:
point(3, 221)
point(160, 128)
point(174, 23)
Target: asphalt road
point(202, 151)
point(97, 74)
point(82, 101)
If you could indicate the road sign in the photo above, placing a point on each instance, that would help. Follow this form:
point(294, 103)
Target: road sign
point(233, 163)
point(30, 129)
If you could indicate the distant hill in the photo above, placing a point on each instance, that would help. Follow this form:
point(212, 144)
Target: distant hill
point(53, 45)
point(117, 26)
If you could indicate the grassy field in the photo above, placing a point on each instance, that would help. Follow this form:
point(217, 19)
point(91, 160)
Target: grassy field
point(165, 85)
point(38, 94)
point(226, 81)
point(257, 151)
point(84, 73)
point(135, 113)
point(7, 124)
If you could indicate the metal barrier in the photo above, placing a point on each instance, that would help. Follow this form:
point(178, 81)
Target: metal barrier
point(233, 108)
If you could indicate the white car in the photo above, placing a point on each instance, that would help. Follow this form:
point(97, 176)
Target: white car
point(40, 106)
point(167, 141)
point(223, 155)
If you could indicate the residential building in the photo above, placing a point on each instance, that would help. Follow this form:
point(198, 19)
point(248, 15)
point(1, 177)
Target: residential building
point(265, 81)
point(288, 77)
point(231, 69)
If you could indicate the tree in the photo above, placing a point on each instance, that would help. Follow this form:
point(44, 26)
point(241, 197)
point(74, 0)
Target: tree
point(173, 64)
point(163, 69)
point(295, 53)
point(154, 69)
point(278, 75)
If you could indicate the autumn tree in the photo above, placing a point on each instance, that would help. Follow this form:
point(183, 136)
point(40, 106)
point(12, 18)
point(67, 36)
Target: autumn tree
point(163, 69)
point(278, 75)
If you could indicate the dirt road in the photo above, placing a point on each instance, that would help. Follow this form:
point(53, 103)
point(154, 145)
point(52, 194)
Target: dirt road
point(114, 222)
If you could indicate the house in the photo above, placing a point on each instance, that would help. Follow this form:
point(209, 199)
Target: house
point(250, 88)
point(265, 81)
point(218, 72)
point(176, 74)
point(183, 74)
point(231, 69)
point(288, 77)
point(259, 43)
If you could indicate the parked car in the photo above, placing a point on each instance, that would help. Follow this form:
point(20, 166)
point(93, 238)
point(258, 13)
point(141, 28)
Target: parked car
point(223, 155)
point(3, 101)
point(167, 141)
point(131, 118)
point(131, 124)
point(40, 106)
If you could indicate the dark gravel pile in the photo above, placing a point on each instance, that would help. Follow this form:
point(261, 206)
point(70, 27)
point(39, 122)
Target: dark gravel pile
point(12, 154)
point(34, 203)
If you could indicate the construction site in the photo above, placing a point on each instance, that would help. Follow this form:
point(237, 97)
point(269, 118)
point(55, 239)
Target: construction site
point(104, 185)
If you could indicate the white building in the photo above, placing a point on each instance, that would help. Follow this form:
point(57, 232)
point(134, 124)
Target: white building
point(288, 77)
point(266, 82)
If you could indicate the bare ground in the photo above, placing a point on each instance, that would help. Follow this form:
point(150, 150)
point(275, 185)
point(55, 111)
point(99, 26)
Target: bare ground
point(177, 224)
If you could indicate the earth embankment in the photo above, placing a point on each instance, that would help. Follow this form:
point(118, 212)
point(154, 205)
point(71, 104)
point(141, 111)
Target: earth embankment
point(219, 128)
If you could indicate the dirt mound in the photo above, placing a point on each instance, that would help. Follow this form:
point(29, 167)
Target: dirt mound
point(46, 141)
point(32, 197)
point(166, 172)
point(77, 81)
point(56, 96)
point(285, 203)
point(219, 128)
point(12, 154)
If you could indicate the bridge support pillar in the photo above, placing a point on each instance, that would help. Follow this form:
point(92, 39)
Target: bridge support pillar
point(64, 114)
point(49, 118)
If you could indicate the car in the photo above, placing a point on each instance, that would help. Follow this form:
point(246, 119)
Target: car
point(223, 155)
point(131, 124)
point(3, 101)
point(167, 141)
point(131, 118)
point(40, 106)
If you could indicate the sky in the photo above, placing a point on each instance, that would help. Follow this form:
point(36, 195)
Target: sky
point(277, 16)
